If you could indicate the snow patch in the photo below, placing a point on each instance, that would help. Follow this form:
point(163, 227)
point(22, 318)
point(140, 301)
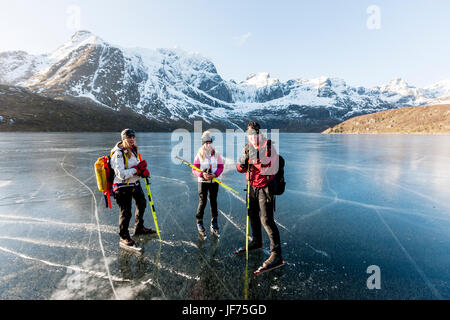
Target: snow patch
point(78, 40)
point(260, 80)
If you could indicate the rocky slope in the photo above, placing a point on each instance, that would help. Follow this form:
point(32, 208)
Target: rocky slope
point(423, 119)
point(28, 111)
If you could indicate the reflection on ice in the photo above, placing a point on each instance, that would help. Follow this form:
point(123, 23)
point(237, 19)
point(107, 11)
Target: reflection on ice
point(4, 183)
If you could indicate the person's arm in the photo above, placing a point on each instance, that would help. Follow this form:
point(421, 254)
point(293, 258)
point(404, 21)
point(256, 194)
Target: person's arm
point(219, 166)
point(197, 165)
point(271, 163)
point(117, 163)
point(242, 163)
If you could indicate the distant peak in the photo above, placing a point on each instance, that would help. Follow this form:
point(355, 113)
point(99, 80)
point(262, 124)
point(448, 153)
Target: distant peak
point(14, 53)
point(260, 79)
point(83, 35)
point(79, 39)
point(398, 81)
point(443, 87)
point(260, 75)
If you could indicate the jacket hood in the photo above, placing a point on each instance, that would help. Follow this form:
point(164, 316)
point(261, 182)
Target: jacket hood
point(117, 147)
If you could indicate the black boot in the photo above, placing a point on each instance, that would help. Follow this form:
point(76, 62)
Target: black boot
point(253, 245)
point(129, 244)
point(201, 229)
point(127, 241)
point(143, 231)
point(273, 261)
point(215, 228)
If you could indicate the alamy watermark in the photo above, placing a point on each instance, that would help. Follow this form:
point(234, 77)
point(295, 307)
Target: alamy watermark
point(74, 280)
point(374, 280)
point(374, 19)
point(73, 21)
point(229, 144)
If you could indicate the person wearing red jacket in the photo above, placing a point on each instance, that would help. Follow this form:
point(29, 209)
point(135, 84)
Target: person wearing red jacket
point(259, 160)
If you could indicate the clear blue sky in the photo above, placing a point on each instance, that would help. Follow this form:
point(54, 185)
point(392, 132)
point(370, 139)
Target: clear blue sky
point(288, 39)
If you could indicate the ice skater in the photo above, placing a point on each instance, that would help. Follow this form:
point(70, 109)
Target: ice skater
point(210, 162)
point(259, 160)
point(126, 186)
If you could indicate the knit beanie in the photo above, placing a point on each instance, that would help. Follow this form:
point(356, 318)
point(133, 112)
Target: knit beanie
point(206, 137)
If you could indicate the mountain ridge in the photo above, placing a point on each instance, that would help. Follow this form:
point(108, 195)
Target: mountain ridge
point(174, 86)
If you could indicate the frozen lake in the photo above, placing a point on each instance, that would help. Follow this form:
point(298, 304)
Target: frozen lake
point(351, 202)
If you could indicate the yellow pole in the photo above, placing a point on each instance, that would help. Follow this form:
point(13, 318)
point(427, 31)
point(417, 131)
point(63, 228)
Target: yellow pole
point(214, 179)
point(246, 282)
point(246, 237)
point(248, 207)
point(152, 206)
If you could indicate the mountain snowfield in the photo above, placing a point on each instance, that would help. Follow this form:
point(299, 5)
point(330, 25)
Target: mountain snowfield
point(169, 85)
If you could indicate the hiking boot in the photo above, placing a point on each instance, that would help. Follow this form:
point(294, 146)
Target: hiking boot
point(273, 261)
point(201, 229)
point(200, 226)
point(143, 231)
point(127, 242)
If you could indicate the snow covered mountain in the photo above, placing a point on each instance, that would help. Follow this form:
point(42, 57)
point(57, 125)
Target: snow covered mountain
point(171, 85)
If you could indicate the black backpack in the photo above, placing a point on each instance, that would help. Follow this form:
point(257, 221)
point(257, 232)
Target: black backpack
point(279, 184)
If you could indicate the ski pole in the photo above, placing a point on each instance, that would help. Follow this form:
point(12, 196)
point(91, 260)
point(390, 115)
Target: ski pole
point(247, 235)
point(150, 199)
point(246, 282)
point(214, 179)
point(248, 208)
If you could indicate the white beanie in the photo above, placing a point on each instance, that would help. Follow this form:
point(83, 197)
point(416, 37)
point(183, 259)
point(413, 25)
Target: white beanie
point(206, 137)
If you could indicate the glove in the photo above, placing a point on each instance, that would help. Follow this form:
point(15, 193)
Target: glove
point(243, 160)
point(244, 167)
point(145, 173)
point(138, 171)
point(142, 165)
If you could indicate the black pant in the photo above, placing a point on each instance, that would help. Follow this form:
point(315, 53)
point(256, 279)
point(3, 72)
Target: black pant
point(261, 212)
point(203, 189)
point(123, 198)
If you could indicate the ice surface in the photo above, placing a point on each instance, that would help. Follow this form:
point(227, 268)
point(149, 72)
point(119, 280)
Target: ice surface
point(351, 202)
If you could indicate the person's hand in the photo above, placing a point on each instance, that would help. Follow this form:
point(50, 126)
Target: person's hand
point(206, 176)
point(212, 176)
point(145, 173)
point(243, 160)
point(142, 165)
point(138, 171)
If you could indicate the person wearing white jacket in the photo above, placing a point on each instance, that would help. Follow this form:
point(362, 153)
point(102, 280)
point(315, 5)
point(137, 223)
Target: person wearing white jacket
point(210, 162)
point(126, 186)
